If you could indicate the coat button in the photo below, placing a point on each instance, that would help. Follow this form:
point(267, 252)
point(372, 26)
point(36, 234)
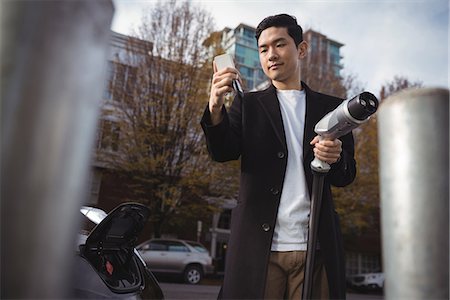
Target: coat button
point(281, 154)
point(274, 191)
point(265, 227)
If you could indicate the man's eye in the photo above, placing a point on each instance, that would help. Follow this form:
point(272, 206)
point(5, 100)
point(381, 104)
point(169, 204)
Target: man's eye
point(281, 45)
point(263, 50)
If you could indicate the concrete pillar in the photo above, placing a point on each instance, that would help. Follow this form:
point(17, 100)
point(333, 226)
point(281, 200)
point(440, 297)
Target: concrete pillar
point(413, 128)
point(53, 67)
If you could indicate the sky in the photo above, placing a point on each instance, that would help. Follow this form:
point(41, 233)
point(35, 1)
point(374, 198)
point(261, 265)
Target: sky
point(382, 38)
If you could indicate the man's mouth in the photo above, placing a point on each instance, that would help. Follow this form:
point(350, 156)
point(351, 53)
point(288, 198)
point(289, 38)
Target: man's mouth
point(274, 66)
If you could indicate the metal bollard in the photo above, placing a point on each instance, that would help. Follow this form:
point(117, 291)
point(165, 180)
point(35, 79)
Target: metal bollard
point(413, 129)
point(53, 67)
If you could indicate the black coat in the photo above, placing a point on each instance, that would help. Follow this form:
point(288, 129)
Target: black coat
point(253, 130)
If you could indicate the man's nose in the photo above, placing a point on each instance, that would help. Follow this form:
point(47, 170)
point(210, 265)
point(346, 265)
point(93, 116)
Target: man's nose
point(272, 54)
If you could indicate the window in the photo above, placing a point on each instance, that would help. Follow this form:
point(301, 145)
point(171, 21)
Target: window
point(121, 81)
point(198, 247)
point(240, 51)
point(171, 246)
point(357, 263)
point(177, 247)
point(246, 72)
point(249, 33)
point(314, 43)
point(225, 219)
point(109, 136)
point(240, 59)
point(156, 246)
point(109, 79)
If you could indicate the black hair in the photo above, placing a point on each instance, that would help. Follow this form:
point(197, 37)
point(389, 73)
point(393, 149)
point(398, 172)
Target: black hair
point(295, 31)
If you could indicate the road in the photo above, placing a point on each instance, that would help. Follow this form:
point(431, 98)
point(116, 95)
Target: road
point(177, 291)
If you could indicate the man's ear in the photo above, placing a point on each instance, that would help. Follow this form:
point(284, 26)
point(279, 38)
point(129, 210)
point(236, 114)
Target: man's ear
point(302, 49)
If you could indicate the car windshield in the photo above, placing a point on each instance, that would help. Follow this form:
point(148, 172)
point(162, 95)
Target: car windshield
point(198, 247)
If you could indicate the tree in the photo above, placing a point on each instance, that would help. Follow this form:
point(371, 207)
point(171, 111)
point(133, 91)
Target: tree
point(359, 203)
point(161, 153)
point(397, 84)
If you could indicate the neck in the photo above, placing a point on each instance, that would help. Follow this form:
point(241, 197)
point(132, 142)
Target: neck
point(292, 82)
point(294, 85)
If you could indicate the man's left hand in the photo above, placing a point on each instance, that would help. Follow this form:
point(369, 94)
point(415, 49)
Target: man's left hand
point(328, 151)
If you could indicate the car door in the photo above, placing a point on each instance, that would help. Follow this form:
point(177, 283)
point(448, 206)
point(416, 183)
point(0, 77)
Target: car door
point(177, 256)
point(165, 256)
point(153, 253)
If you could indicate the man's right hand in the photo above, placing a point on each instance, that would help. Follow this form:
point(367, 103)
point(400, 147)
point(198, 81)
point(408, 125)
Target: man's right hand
point(222, 83)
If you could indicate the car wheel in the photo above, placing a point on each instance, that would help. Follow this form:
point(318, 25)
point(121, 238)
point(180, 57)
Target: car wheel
point(193, 274)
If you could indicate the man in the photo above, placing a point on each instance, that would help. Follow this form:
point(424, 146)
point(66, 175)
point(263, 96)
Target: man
point(272, 132)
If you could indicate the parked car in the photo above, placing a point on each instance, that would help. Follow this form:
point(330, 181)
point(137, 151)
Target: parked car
point(367, 281)
point(187, 258)
point(106, 263)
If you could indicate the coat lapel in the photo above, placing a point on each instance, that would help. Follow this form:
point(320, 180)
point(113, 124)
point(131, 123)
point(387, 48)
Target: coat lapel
point(271, 107)
point(314, 112)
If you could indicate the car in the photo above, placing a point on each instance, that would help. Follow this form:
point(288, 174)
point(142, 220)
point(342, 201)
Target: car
point(107, 264)
point(173, 256)
point(367, 281)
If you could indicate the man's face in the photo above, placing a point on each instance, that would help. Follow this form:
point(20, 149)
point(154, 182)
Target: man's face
point(279, 56)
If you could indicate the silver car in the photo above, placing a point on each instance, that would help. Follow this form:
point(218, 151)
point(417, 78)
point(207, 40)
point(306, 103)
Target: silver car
point(187, 258)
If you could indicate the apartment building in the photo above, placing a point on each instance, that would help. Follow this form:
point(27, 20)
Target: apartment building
point(241, 43)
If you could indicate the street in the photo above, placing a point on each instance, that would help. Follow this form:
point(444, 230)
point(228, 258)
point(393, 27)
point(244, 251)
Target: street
point(174, 291)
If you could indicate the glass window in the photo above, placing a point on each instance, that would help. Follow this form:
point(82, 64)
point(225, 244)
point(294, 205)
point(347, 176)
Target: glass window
point(249, 33)
point(250, 84)
point(314, 43)
point(109, 135)
point(121, 81)
point(110, 78)
point(177, 247)
point(357, 263)
point(225, 219)
point(240, 50)
point(247, 72)
point(157, 246)
point(240, 59)
point(197, 246)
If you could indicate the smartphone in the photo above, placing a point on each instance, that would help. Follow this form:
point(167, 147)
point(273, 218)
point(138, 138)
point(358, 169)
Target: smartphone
point(226, 60)
point(223, 61)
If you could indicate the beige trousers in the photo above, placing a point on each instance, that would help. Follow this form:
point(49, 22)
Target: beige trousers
point(285, 276)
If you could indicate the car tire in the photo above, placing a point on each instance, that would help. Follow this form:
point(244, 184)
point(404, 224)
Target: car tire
point(193, 274)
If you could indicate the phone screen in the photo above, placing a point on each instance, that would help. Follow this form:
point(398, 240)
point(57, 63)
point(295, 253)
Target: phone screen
point(223, 61)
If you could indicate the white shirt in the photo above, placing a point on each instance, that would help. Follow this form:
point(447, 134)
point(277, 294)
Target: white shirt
point(291, 229)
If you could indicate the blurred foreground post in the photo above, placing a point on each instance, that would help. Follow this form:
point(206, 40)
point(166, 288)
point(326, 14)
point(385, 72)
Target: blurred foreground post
point(53, 66)
point(413, 128)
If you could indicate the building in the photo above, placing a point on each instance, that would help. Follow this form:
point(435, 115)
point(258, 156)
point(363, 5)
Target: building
point(241, 43)
point(120, 75)
point(324, 53)
point(219, 232)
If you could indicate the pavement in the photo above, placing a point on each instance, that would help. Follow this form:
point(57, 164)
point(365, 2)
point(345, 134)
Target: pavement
point(209, 287)
point(179, 291)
